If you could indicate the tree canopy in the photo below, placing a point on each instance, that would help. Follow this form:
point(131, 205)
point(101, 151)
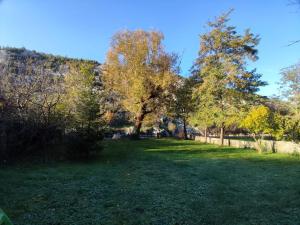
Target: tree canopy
point(139, 69)
point(226, 84)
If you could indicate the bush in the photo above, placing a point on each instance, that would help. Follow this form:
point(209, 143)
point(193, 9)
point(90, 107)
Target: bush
point(28, 141)
point(22, 140)
point(83, 142)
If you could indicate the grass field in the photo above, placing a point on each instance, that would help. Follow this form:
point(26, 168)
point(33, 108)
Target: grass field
point(159, 182)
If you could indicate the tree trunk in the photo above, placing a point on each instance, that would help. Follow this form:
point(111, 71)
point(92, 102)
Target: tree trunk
point(222, 130)
point(184, 130)
point(137, 126)
point(205, 134)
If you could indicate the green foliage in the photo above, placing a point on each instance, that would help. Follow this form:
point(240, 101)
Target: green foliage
point(290, 91)
point(82, 105)
point(83, 142)
point(182, 105)
point(227, 87)
point(291, 125)
point(81, 101)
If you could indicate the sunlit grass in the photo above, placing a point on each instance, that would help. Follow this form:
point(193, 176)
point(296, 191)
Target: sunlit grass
point(157, 182)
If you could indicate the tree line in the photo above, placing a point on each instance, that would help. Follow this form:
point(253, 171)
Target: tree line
point(221, 93)
point(139, 83)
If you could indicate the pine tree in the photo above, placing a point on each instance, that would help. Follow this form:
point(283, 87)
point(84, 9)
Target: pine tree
point(226, 84)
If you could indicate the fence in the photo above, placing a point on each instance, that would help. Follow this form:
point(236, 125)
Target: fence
point(271, 146)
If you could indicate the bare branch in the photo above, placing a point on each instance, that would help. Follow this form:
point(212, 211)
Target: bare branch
point(293, 42)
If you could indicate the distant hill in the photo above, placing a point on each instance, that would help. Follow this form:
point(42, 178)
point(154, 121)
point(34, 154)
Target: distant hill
point(22, 61)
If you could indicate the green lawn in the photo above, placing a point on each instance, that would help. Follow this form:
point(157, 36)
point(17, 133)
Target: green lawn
point(159, 182)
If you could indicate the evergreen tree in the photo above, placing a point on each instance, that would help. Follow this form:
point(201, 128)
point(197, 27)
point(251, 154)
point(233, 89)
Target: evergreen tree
point(82, 97)
point(226, 85)
point(182, 105)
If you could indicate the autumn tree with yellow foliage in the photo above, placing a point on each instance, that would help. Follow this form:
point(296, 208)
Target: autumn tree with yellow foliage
point(262, 121)
point(141, 72)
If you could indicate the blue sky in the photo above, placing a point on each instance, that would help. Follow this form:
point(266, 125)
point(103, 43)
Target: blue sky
point(83, 29)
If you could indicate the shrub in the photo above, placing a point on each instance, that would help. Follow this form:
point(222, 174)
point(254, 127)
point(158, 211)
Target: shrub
point(83, 142)
point(21, 140)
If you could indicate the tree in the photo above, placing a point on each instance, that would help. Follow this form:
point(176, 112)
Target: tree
point(82, 97)
point(83, 110)
point(42, 105)
point(203, 114)
point(226, 84)
point(290, 85)
point(29, 119)
point(290, 92)
point(182, 105)
point(260, 121)
point(138, 68)
point(35, 93)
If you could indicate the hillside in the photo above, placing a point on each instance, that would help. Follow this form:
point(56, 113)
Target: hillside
point(23, 61)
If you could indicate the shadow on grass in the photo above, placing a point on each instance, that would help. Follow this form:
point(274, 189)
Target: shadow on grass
point(157, 150)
